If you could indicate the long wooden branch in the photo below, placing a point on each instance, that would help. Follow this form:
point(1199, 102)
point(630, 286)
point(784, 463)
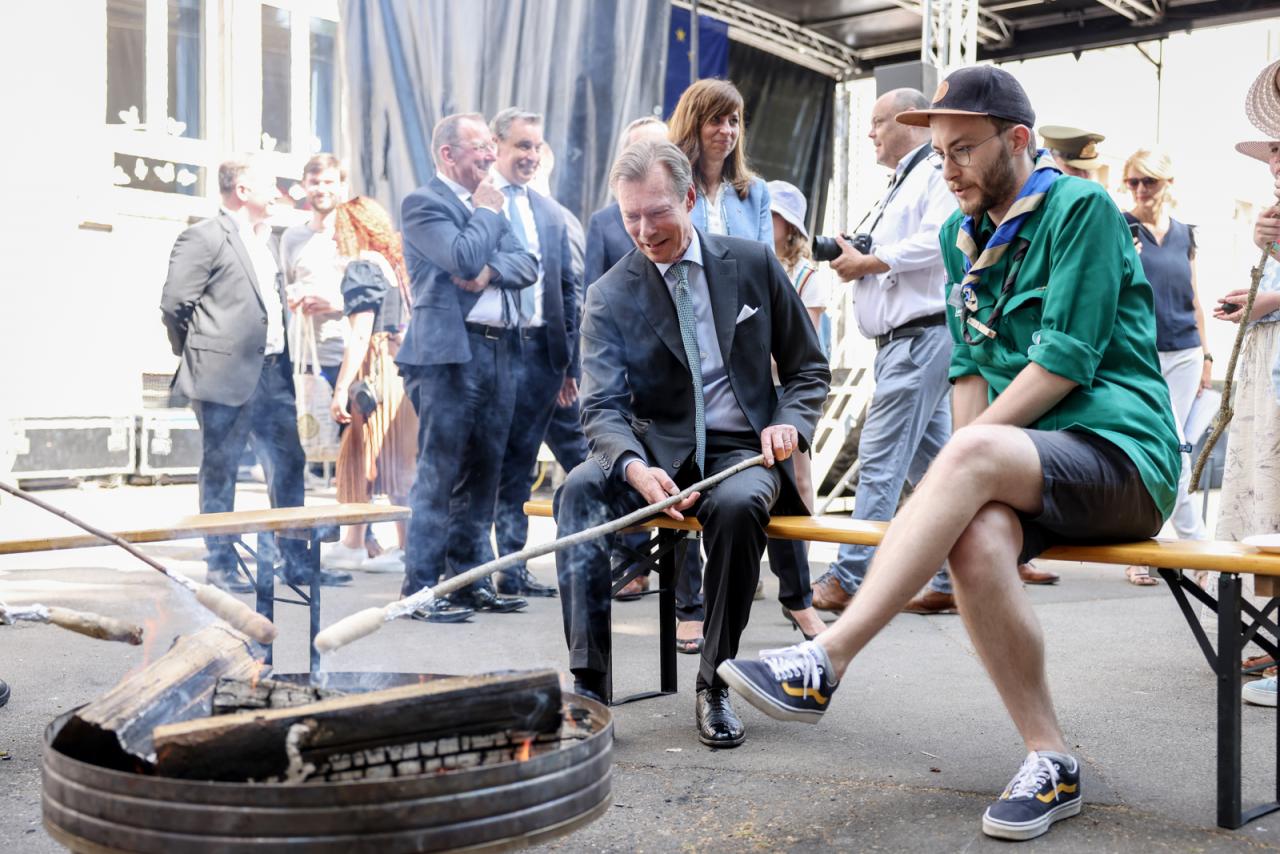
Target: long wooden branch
point(366, 622)
point(1225, 412)
point(81, 622)
point(239, 615)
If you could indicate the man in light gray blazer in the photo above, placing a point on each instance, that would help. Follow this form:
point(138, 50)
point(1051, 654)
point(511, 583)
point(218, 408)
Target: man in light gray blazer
point(223, 309)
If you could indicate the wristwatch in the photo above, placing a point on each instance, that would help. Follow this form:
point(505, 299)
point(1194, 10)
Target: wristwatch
point(1208, 357)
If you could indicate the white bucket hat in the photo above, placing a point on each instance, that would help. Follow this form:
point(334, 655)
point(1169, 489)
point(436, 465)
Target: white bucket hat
point(788, 202)
point(1258, 149)
point(1262, 104)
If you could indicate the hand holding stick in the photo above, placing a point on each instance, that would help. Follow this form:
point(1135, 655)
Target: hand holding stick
point(366, 622)
point(239, 615)
point(82, 622)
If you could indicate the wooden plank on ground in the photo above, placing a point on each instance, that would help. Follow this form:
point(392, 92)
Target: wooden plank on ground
point(275, 519)
point(252, 745)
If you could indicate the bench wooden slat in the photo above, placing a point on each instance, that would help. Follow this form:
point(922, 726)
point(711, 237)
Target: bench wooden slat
point(275, 519)
point(1216, 555)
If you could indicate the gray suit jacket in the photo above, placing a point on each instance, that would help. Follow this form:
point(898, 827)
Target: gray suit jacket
point(637, 392)
point(443, 239)
point(214, 314)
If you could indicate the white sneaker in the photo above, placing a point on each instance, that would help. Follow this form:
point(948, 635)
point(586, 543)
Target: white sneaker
point(392, 560)
point(341, 556)
point(1260, 693)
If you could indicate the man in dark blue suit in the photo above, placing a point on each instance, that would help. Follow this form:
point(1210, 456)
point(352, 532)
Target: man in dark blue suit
point(546, 371)
point(467, 271)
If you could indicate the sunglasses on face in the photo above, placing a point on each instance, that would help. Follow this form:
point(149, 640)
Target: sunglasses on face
point(1146, 181)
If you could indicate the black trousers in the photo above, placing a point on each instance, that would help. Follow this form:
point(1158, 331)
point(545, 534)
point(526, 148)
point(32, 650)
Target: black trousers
point(464, 413)
point(733, 518)
point(537, 386)
point(270, 416)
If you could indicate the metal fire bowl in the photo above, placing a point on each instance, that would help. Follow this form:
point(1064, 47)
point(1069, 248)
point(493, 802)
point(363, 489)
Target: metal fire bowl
point(93, 810)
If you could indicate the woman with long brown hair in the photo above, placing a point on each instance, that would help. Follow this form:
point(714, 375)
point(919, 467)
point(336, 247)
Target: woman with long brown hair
point(379, 448)
point(708, 126)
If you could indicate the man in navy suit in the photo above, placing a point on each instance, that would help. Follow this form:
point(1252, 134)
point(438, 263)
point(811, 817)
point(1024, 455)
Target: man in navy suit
point(547, 370)
point(676, 385)
point(467, 271)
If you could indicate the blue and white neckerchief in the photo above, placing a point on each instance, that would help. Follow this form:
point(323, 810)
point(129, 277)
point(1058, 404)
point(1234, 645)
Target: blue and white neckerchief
point(1046, 171)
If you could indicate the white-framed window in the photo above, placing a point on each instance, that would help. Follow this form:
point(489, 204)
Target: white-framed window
point(190, 81)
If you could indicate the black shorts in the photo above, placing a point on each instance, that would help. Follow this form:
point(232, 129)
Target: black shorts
point(1092, 494)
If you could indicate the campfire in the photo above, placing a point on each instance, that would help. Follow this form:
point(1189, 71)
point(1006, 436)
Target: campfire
point(206, 750)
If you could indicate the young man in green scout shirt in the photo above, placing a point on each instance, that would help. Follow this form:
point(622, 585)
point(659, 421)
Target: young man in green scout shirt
point(1063, 430)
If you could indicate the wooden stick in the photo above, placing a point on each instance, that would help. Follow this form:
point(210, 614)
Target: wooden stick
point(82, 622)
point(366, 622)
point(1225, 412)
point(226, 607)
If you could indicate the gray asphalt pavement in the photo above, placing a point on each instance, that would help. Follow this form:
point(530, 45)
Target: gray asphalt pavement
point(914, 747)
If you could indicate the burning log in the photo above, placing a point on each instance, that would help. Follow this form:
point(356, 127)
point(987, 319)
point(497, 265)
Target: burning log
point(116, 729)
point(81, 622)
point(242, 695)
point(278, 743)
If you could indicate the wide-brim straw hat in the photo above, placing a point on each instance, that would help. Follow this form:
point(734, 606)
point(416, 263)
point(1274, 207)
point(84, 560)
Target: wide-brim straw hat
point(1258, 149)
point(1262, 104)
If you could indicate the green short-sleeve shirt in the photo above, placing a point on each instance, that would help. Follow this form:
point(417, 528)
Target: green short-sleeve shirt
point(1081, 308)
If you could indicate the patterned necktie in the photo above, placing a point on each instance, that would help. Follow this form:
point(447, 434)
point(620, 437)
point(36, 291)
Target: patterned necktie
point(1032, 193)
point(689, 335)
point(527, 295)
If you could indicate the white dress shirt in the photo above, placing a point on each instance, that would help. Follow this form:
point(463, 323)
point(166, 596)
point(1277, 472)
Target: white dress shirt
point(265, 271)
point(525, 211)
point(721, 407)
point(906, 239)
point(488, 308)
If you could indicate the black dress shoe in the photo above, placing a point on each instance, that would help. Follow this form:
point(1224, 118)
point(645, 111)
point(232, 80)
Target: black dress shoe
point(229, 581)
point(578, 688)
point(328, 578)
point(718, 724)
point(4, 692)
point(484, 599)
point(442, 611)
point(520, 582)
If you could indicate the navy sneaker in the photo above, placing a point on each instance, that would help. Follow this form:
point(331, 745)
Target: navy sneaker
point(1045, 789)
point(792, 684)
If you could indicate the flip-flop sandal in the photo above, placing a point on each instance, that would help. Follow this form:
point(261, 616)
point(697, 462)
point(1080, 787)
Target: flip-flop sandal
point(1138, 576)
point(689, 646)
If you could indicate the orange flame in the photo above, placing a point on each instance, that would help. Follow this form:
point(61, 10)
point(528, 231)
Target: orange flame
point(522, 753)
point(257, 672)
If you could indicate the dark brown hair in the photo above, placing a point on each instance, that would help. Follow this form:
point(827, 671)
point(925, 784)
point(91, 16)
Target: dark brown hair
point(700, 103)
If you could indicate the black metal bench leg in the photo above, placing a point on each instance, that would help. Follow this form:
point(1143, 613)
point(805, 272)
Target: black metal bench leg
point(265, 587)
point(668, 572)
point(1229, 711)
point(313, 555)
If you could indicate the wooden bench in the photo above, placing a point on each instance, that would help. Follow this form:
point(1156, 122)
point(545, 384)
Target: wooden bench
point(1239, 621)
point(312, 524)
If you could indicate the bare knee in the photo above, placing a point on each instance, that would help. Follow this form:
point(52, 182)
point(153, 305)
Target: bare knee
point(989, 543)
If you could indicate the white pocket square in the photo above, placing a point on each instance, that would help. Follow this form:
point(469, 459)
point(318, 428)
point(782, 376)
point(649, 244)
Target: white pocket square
point(746, 313)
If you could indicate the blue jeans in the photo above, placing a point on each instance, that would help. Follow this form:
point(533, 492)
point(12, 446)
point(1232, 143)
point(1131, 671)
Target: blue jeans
point(464, 412)
point(907, 423)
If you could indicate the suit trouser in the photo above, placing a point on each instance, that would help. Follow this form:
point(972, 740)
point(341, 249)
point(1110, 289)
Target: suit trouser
point(564, 436)
point(464, 412)
point(908, 422)
point(733, 517)
point(538, 385)
point(270, 416)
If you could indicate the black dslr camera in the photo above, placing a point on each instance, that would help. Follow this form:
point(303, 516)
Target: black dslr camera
point(826, 248)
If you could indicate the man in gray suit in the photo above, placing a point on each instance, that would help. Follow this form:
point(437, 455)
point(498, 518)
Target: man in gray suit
point(467, 269)
point(676, 341)
point(223, 309)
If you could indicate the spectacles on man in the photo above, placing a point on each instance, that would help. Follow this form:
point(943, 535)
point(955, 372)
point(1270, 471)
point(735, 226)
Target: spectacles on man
point(489, 147)
point(961, 154)
point(1146, 181)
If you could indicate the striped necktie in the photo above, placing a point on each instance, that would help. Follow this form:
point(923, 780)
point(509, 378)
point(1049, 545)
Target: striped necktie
point(689, 335)
point(1028, 199)
point(528, 305)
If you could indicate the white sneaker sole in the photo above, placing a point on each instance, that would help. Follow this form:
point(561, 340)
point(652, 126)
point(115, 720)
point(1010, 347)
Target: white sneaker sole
point(1030, 829)
point(1252, 695)
point(747, 690)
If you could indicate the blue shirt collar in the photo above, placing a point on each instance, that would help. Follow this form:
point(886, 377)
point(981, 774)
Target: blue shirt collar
point(693, 255)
